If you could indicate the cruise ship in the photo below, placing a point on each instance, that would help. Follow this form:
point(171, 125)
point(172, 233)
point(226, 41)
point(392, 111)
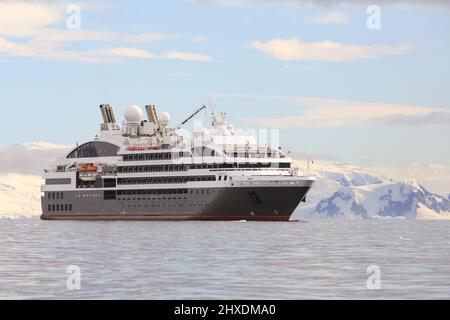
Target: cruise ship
point(143, 169)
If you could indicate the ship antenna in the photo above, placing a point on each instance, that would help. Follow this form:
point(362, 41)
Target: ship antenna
point(190, 117)
point(212, 108)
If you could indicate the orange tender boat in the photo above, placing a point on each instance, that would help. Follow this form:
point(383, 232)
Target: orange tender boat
point(88, 168)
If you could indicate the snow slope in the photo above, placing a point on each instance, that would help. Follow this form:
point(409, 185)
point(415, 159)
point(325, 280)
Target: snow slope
point(19, 195)
point(331, 176)
point(349, 192)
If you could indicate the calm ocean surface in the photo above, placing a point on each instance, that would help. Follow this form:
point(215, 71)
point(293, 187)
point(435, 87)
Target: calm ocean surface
point(326, 259)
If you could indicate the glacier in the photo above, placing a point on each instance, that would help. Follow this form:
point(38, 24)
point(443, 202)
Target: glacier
point(345, 191)
point(20, 195)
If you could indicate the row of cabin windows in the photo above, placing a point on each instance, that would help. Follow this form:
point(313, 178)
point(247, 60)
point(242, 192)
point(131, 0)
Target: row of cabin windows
point(55, 195)
point(152, 205)
point(141, 194)
point(163, 205)
point(151, 191)
point(155, 156)
point(176, 155)
point(184, 167)
point(159, 168)
point(59, 207)
point(199, 191)
point(163, 180)
point(159, 192)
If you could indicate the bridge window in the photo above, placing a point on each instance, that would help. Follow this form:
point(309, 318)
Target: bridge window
point(94, 149)
point(203, 152)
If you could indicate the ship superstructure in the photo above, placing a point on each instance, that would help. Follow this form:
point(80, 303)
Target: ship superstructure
point(143, 169)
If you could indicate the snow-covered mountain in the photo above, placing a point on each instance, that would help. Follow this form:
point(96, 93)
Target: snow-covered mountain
point(332, 176)
point(350, 192)
point(20, 176)
point(405, 199)
point(20, 195)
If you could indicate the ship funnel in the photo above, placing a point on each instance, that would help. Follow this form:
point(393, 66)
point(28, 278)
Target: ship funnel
point(107, 113)
point(112, 114)
point(103, 111)
point(151, 114)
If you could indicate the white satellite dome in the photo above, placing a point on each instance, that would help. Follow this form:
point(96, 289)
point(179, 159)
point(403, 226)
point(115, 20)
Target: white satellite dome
point(164, 118)
point(133, 114)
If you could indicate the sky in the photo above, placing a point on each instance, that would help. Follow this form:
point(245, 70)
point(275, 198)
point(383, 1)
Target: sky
point(355, 82)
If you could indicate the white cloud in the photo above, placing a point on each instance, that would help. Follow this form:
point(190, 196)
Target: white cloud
point(187, 56)
point(26, 18)
point(39, 23)
point(30, 158)
point(124, 52)
point(16, 49)
point(54, 38)
point(294, 49)
point(326, 3)
point(200, 40)
point(331, 17)
point(317, 113)
point(34, 30)
point(436, 117)
point(44, 145)
point(99, 55)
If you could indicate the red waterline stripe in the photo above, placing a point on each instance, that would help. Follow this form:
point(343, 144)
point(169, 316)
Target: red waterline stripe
point(163, 217)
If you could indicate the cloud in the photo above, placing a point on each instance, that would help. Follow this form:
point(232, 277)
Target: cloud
point(331, 17)
point(17, 49)
point(365, 2)
point(325, 3)
point(25, 18)
point(187, 56)
point(54, 38)
point(30, 29)
point(294, 49)
point(100, 55)
point(39, 22)
point(44, 145)
point(124, 52)
point(438, 117)
point(30, 158)
point(200, 40)
point(320, 113)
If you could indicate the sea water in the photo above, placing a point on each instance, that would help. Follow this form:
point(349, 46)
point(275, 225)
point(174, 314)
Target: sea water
point(317, 259)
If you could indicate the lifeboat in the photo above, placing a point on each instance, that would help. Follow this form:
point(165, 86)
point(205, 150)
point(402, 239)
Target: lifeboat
point(88, 172)
point(88, 168)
